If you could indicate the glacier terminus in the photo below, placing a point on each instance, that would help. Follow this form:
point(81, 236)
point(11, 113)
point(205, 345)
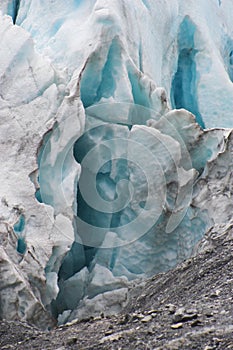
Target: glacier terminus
point(116, 147)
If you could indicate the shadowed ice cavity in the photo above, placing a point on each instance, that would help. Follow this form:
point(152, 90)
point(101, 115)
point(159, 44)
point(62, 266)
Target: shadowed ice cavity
point(100, 82)
point(228, 57)
point(184, 84)
point(13, 9)
point(19, 231)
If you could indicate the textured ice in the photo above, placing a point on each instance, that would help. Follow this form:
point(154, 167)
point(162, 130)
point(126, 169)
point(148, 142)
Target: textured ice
point(116, 145)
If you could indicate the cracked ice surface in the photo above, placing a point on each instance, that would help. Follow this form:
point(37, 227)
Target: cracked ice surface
point(102, 182)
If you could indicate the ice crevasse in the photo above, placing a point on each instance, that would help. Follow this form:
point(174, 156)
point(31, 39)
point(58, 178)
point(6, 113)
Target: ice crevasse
point(116, 147)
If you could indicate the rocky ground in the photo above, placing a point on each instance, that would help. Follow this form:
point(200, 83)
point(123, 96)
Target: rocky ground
point(189, 307)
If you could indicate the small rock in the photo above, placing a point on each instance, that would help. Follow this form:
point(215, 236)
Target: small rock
point(72, 341)
point(215, 294)
point(191, 311)
point(180, 311)
point(217, 341)
point(151, 312)
point(97, 318)
point(68, 324)
point(138, 316)
point(189, 317)
point(150, 331)
point(179, 314)
point(135, 320)
point(108, 332)
point(160, 336)
point(125, 319)
point(111, 338)
point(146, 319)
point(208, 313)
point(195, 323)
point(171, 308)
point(177, 325)
point(116, 336)
point(223, 312)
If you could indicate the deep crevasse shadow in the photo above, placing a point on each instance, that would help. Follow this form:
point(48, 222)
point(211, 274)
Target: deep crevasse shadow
point(184, 84)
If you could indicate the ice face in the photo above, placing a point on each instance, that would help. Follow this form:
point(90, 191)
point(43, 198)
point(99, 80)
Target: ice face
point(196, 36)
point(135, 212)
point(102, 181)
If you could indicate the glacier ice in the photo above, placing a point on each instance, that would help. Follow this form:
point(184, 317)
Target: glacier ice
point(116, 141)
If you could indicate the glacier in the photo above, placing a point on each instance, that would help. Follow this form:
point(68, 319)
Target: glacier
point(116, 145)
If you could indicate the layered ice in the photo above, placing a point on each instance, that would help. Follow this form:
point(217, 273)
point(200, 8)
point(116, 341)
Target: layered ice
point(116, 142)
